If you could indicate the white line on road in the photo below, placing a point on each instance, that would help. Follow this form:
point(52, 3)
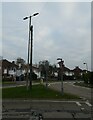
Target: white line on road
point(55, 101)
point(82, 108)
point(78, 103)
point(88, 104)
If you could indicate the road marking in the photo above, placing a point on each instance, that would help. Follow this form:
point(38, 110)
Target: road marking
point(82, 108)
point(88, 104)
point(78, 103)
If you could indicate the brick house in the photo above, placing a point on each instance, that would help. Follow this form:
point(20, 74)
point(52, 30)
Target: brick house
point(11, 69)
point(8, 68)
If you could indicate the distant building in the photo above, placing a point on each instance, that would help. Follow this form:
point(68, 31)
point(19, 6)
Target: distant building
point(8, 68)
point(76, 73)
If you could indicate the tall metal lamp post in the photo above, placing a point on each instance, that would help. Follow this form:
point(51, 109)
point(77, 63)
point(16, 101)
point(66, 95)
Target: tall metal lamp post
point(86, 66)
point(86, 69)
point(61, 71)
point(30, 49)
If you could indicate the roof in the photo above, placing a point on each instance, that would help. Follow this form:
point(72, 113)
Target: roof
point(77, 69)
point(67, 69)
point(6, 63)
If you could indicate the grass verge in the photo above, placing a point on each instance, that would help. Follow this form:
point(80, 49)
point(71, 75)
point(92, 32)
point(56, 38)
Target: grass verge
point(8, 82)
point(37, 92)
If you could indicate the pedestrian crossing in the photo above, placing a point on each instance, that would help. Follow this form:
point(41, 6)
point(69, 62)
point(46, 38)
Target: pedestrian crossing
point(78, 103)
point(77, 107)
point(90, 105)
point(84, 106)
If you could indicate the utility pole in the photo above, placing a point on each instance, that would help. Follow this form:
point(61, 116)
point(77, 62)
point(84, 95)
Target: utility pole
point(31, 47)
point(29, 65)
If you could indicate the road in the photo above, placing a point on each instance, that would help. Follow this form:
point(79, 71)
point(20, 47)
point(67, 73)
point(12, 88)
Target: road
point(50, 109)
point(69, 87)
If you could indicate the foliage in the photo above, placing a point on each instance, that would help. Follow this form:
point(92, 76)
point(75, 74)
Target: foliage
point(47, 70)
point(20, 61)
point(85, 77)
point(44, 67)
point(91, 77)
point(88, 77)
point(34, 76)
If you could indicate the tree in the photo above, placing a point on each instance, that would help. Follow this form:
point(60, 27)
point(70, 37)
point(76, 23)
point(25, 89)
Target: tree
point(44, 67)
point(52, 70)
point(91, 78)
point(20, 62)
point(86, 77)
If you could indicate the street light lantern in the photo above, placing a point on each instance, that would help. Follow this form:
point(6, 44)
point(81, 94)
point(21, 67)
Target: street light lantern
point(25, 18)
point(59, 59)
point(30, 16)
point(86, 66)
point(35, 14)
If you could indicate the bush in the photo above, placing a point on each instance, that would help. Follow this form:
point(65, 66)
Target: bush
point(85, 77)
point(34, 76)
point(88, 77)
point(91, 77)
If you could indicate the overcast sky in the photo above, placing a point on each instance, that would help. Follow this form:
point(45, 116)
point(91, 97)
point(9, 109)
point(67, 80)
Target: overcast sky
point(62, 29)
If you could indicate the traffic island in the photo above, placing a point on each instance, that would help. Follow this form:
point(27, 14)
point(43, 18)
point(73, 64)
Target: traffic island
point(37, 92)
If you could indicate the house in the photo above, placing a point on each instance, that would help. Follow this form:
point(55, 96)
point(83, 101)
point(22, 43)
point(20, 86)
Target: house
point(11, 69)
point(77, 72)
point(8, 68)
point(36, 70)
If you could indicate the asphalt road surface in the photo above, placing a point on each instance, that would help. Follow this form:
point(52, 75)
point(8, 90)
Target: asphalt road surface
point(69, 87)
point(49, 109)
point(55, 110)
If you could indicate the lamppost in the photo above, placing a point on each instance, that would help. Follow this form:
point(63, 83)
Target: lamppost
point(86, 66)
point(30, 49)
point(86, 69)
point(46, 71)
point(61, 71)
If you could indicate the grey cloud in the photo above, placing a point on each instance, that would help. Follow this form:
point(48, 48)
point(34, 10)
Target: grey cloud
point(60, 30)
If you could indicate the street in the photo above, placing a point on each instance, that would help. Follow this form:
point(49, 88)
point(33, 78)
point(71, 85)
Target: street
point(48, 108)
point(69, 87)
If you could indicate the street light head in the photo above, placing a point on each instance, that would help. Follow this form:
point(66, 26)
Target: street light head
point(25, 18)
point(84, 63)
point(35, 14)
point(59, 59)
